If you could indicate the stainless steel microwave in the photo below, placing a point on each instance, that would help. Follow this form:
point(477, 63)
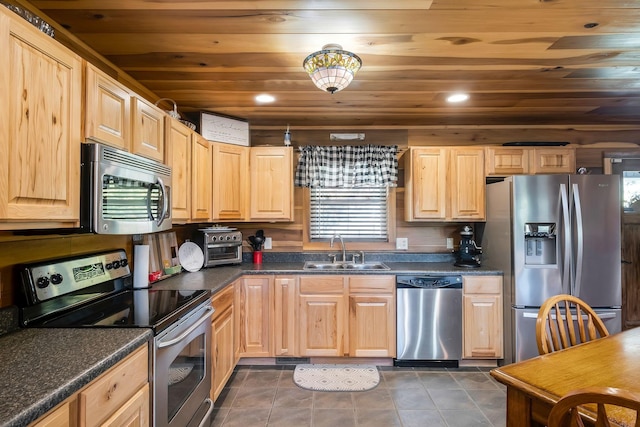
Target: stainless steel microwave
point(123, 193)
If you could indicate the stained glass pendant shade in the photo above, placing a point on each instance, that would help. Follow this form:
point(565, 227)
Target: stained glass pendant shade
point(332, 69)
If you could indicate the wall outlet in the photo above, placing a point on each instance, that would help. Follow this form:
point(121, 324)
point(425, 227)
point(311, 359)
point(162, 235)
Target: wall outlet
point(402, 243)
point(449, 242)
point(267, 243)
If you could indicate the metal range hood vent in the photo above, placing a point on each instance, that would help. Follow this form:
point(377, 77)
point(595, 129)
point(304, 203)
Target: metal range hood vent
point(346, 136)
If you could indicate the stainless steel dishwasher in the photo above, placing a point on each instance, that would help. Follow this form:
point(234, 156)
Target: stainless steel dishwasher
point(429, 320)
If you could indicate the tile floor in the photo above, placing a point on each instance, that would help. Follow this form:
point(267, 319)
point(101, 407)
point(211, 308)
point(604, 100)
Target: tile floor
point(406, 397)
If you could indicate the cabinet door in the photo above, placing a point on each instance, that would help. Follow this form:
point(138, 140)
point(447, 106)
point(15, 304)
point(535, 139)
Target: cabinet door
point(104, 396)
point(371, 326)
point(426, 197)
point(201, 179)
point(148, 130)
point(223, 351)
point(322, 319)
point(178, 156)
point(59, 417)
point(40, 128)
point(482, 313)
point(134, 412)
point(107, 110)
point(230, 179)
point(553, 160)
point(467, 191)
point(254, 315)
point(503, 161)
point(372, 316)
point(284, 316)
point(271, 183)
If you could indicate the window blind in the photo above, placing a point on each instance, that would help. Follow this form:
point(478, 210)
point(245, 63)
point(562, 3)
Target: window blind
point(354, 213)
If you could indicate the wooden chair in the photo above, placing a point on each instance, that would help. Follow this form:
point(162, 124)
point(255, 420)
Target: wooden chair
point(553, 332)
point(565, 412)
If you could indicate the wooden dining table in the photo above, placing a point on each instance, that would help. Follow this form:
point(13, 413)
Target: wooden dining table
point(535, 385)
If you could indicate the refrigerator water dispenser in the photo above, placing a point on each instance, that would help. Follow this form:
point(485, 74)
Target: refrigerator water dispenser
point(540, 243)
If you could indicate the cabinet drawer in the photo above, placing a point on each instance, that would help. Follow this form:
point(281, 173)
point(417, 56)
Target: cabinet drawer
point(222, 301)
point(483, 285)
point(110, 391)
point(372, 284)
point(314, 285)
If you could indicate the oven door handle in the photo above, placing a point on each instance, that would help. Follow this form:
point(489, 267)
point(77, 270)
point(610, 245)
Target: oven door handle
point(205, 419)
point(204, 318)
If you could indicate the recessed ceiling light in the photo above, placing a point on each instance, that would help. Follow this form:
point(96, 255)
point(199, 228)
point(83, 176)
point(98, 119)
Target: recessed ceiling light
point(457, 97)
point(265, 98)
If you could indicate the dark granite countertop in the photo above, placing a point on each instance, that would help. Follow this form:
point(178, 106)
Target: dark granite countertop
point(40, 368)
point(216, 278)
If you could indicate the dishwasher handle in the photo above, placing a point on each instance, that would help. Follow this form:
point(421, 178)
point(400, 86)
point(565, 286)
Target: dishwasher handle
point(429, 282)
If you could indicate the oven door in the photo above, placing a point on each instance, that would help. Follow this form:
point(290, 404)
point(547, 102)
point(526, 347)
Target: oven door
point(182, 370)
point(223, 254)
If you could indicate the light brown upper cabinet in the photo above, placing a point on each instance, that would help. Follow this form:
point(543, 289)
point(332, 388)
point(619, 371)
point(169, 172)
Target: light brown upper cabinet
point(178, 155)
point(445, 184)
point(504, 161)
point(553, 160)
point(107, 110)
point(189, 156)
point(271, 196)
point(148, 129)
point(40, 128)
point(230, 182)
point(201, 175)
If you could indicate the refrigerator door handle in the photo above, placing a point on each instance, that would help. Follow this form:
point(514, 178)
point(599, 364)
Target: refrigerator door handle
point(601, 315)
point(579, 239)
point(566, 241)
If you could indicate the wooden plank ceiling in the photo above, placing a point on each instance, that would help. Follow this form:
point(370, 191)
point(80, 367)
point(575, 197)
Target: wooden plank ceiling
point(523, 62)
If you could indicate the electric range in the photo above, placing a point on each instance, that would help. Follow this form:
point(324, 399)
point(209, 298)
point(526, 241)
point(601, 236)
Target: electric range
point(94, 291)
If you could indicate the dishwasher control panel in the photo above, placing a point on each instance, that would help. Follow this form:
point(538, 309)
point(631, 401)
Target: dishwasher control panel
point(429, 282)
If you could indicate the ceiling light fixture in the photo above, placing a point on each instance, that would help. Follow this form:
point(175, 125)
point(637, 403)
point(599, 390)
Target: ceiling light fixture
point(265, 98)
point(457, 97)
point(332, 68)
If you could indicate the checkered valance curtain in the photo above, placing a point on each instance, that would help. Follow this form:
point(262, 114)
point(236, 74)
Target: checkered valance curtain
point(347, 166)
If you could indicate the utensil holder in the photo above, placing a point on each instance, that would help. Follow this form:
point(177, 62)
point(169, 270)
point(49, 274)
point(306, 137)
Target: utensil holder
point(257, 257)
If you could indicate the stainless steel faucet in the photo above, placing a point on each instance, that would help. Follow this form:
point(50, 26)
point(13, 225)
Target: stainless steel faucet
point(344, 251)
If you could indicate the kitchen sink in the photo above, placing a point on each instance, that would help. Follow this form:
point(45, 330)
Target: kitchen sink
point(333, 266)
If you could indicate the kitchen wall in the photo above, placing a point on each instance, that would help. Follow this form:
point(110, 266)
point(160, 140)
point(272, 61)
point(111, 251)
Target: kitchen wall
point(287, 237)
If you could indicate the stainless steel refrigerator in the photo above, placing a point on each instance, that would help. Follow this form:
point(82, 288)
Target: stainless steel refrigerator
point(553, 234)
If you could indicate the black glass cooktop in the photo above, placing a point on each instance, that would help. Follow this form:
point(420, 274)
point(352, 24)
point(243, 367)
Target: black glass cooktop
point(149, 308)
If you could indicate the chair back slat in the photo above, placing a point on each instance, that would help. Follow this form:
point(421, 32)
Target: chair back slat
point(564, 321)
point(566, 412)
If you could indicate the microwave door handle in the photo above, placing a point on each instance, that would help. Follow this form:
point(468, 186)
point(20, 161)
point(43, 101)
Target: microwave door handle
point(165, 203)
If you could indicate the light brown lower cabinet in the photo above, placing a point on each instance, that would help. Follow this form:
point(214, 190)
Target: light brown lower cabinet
point(372, 316)
point(285, 316)
point(117, 398)
point(253, 315)
point(347, 316)
point(223, 351)
point(482, 317)
point(58, 417)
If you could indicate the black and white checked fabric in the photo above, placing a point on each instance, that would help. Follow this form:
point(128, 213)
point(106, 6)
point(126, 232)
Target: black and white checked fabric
point(347, 166)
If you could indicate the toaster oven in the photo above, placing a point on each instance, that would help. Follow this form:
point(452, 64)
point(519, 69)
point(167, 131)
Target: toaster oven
point(222, 246)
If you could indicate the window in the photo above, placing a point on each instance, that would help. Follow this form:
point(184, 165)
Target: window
point(357, 214)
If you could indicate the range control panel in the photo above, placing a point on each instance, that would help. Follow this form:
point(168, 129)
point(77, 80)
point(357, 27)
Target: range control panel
point(47, 280)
